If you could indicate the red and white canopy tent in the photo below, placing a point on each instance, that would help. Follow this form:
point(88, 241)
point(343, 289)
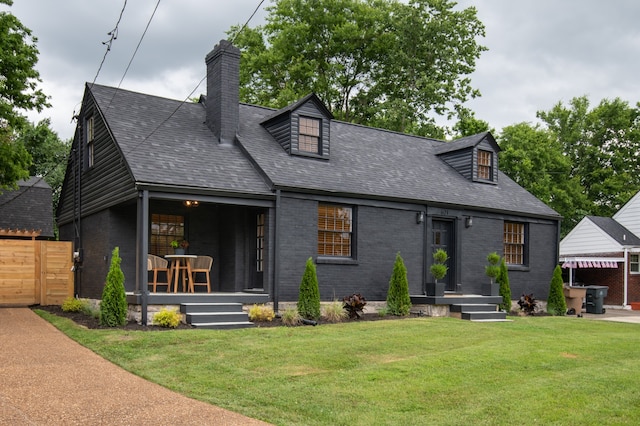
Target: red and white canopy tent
point(588, 262)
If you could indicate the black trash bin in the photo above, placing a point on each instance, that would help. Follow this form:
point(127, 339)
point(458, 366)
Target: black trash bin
point(595, 298)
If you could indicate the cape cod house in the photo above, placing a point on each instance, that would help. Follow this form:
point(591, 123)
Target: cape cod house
point(261, 191)
point(605, 251)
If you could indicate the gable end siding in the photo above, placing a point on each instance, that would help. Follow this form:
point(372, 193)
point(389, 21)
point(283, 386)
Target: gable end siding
point(461, 161)
point(108, 182)
point(281, 132)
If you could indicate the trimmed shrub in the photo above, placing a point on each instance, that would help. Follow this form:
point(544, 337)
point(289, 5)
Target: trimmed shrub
point(493, 268)
point(113, 308)
point(334, 311)
point(71, 304)
point(291, 317)
point(309, 297)
point(261, 313)
point(167, 318)
point(398, 299)
point(505, 288)
point(556, 303)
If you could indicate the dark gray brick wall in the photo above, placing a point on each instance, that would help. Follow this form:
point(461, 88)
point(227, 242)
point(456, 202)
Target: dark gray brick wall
point(380, 233)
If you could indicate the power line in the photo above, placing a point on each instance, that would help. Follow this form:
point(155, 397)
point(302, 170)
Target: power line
point(113, 35)
point(194, 89)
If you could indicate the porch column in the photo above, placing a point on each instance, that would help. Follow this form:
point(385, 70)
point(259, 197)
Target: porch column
point(142, 249)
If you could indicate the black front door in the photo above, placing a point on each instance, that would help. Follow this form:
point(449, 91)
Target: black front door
point(258, 258)
point(442, 238)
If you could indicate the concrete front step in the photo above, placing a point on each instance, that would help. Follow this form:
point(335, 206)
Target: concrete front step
point(484, 316)
point(193, 308)
point(223, 325)
point(205, 317)
point(466, 307)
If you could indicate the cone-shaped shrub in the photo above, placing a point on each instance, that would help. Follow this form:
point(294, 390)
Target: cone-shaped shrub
point(113, 308)
point(556, 304)
point(505, 288)
point(309, 297)
point(398, 300)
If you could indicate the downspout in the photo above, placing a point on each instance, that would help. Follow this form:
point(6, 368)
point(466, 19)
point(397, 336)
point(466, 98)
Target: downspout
point(142, 248)
point(276, 273)
point(626, 275)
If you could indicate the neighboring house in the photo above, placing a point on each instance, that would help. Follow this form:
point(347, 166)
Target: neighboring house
point(28, 208)
point(606, 251)
point(274, 188)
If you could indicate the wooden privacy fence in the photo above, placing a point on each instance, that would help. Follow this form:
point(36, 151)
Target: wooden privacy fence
point(35, 272)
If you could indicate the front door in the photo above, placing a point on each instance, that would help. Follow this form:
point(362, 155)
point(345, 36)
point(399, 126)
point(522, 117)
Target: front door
point(442, 238)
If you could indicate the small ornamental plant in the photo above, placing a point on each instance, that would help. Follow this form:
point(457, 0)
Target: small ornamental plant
point(354, 305)
point(493, 268)
point(309, 296)
point(167, 318)
point(528, 304)
point(290, 317)
point(398, 299)
point(334, 311)
point(438, 268)
point(556, 303)
point(113, 308)
point(261, 313)
point(71, 304)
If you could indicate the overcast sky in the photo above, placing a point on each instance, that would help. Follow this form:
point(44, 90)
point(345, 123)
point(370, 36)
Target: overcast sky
point(540, 51)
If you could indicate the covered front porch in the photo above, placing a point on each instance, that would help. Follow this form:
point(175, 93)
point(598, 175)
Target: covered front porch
point(235, 233)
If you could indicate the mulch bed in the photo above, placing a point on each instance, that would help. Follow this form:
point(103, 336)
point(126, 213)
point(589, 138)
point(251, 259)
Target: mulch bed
point(93, 323)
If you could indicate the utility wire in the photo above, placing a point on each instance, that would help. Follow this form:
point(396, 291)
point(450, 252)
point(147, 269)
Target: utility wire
point(113, 35)
point(194, 89)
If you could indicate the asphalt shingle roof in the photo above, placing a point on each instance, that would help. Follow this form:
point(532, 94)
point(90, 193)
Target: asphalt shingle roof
point(364, 162)
point(178, 149)
point(615, 230)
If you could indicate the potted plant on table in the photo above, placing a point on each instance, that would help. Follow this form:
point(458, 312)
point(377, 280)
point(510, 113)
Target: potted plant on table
point(438, 270)
point(179, 247)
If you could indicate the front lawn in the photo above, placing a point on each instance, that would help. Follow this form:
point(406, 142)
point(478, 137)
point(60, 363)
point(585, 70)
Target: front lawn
point(417, 371)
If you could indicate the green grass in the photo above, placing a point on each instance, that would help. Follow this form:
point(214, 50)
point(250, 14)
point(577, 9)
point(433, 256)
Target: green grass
point(420, 371)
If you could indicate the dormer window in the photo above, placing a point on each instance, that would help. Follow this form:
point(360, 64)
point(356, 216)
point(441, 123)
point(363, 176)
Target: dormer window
point(485, 165)
point(309, 135)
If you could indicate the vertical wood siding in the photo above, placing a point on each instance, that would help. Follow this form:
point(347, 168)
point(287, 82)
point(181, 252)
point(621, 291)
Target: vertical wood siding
point(35, 272)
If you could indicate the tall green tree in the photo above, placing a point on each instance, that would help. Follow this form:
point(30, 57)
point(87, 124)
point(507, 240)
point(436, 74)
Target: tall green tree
point(602, 145)
point(48, 153)
point(534, 158)
point(384, 63)
point(18, 92)
point(556, 303)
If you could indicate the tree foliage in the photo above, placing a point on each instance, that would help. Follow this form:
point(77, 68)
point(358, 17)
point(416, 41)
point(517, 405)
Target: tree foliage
point(383, 63)
point(398, 299)
point(18, 92)
point(533, 157)
point(48, 153)
point(113, 307)
point(556, 303)
point(309, 296)
point(603, 146)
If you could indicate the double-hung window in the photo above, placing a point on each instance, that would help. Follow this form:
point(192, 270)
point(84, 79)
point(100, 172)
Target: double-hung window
point(515, 243)
point(335, 230)
point(485, 165)
point(309, 135)
point(634, 263)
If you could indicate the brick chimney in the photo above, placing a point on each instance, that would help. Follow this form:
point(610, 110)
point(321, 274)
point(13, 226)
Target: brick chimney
point(223, 85)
